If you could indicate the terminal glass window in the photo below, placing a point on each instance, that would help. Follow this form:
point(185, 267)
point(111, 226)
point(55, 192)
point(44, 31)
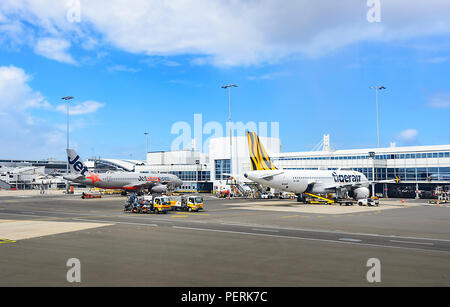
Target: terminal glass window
point(222, 167)
point(433, 171)
point(401, 173)
point(410, 174)
point(391, 173)
point(444, 173)
point(422, 174)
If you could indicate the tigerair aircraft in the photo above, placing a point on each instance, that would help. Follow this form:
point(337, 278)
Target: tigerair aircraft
point(300, 182)
point(126, 181)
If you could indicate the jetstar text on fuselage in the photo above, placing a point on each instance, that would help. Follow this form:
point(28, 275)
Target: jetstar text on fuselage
point(150, 179)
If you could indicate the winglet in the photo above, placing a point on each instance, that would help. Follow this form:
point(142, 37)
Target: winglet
point(259, 159)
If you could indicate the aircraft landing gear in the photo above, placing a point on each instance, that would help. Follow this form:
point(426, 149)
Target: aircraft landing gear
point(301, 198)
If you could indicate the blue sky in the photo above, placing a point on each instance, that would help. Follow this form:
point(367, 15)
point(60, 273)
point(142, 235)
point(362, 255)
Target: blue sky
point(131, 72)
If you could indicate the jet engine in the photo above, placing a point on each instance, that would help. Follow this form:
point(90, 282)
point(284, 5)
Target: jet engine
point(359, 193)
point(161, 189)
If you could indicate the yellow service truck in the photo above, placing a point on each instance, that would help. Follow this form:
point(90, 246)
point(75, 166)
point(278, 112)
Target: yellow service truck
point(161, 204)
point(188, 203)
point(148, 204)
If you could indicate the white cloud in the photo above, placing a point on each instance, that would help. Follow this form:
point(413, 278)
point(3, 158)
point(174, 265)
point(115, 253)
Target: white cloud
point(15, 93)
point(86, 107)
point(270, 76)
point(228, 33)
point(436, 60)
point(54, 49)
point(155, 61)
point(21, 132)
point(408, 136)
point(123, 68)
point(24, 134)
point(440, 101)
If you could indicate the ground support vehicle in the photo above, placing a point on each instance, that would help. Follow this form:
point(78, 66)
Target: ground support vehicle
point(188, 203)
point(371, 202)
point(147, 204)
point(90, 195)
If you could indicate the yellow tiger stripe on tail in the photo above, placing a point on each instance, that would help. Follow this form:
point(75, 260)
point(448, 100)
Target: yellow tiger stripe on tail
point(259, 159)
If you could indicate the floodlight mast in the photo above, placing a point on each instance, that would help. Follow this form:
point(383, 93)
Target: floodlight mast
point(377, 88)
point(67, 98)
point(229, 86)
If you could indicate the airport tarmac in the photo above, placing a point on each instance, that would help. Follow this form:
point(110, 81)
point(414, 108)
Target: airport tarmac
point(231, 243)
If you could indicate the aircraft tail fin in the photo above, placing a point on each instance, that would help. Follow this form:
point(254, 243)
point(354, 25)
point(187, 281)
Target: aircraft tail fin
point(259, 159)
point(76, 165)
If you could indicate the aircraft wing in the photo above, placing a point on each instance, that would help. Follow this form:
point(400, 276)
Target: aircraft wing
point(164, 181)
point(135, 184)
point(344, 186)
point(74, 177)
point(396, 180)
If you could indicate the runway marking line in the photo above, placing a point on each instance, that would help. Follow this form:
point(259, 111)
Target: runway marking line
point(409, 242)
point(6, 241)
point(190, 213)
point(268, 230)
point(349, 240)
point(8, 221)
point(307, 239)
point(114, 222)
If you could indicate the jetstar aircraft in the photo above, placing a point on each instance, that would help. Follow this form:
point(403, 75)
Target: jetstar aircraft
point(305, 181)
point(127, 181)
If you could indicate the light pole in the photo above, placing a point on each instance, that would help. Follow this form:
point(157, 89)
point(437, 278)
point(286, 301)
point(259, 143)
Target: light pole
point(372, 156)
point(377, 87)
point(146, 144)
point(67, 98)
point(229, 86)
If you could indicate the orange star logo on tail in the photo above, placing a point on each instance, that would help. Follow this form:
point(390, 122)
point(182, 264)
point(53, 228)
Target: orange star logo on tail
point(93, 177)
